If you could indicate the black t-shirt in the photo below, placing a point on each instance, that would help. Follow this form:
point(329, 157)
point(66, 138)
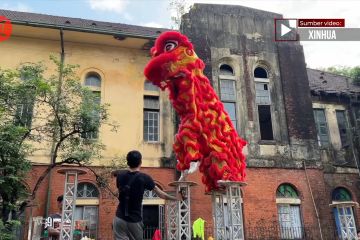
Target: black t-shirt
point(141, 183)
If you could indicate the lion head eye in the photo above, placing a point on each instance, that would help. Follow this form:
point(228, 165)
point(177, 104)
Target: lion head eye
point(170, 45)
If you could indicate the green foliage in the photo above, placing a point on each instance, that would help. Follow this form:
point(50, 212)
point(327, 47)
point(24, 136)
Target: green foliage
point(352, 72)
point(178, 8)
point(14, 165)
point(355, 74)
point(49, 112)
point(7, 230)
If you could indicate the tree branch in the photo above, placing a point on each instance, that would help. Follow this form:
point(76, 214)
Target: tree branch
point(98, 179)
point(46, 172)
point(58, 144)
point(58, 119)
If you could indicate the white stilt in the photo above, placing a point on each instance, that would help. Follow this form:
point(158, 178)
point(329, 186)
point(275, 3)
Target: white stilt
point(227, 211)
point(178, 213)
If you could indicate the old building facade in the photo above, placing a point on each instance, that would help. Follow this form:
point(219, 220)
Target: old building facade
point(297, 186)
point(111, 59)
point(300, 124)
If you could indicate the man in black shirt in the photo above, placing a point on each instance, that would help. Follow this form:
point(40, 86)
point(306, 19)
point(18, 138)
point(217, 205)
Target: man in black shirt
point(132, 183)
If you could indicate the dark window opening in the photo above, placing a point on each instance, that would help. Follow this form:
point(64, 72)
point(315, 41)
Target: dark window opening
point(342, 125)
point(226, 70)
point(266, 130)
point(260, 73)
point(24, 114)
point(321, 127)
point(151, 216)
point(341, 194)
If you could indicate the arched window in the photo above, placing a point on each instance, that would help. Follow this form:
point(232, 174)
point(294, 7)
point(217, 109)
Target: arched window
point(87, 190)
point(93, 81)
point(341, 194)
point(86, 211)
point(286, 191)
point(226, 70)
point(228, 91)
point(344, 213)
point(288, 204)
point(263, 102)
point(260, 72)
point(150, 194)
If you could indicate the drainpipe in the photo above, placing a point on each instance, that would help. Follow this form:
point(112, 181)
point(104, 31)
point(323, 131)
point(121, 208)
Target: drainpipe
point(62, 59)
point(313, 200)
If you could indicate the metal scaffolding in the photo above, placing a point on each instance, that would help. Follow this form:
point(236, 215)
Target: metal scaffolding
point(227, 211)
point(178, 213)
point(68, 206)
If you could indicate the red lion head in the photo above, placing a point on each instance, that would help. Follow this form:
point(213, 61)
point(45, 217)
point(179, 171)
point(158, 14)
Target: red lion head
point(172, 58)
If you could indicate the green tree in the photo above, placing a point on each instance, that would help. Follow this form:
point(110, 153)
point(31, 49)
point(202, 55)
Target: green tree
point(14, 95)
point(51, 114)
point(177, 9)
point(352, 72)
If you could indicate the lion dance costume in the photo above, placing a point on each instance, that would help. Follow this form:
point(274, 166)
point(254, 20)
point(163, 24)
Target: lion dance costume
point(206, 133)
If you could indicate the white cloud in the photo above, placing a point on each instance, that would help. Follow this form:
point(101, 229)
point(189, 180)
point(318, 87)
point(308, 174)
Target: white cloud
point(152, 24)
point(128, 17)
point(21, 7)
point(117, 6)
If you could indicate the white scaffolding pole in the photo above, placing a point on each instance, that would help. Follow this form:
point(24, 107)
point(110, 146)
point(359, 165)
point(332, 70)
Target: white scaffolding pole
point(227, 211)
point(178, 213)
point(68, 206)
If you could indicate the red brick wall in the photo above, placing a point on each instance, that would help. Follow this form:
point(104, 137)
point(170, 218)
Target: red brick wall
point(107, 202)
point(348, 181)
point(201, 206)
point(260, 209)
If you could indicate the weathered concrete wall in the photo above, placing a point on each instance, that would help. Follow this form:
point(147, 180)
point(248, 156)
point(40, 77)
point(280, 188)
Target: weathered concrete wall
point(296, 91)
point(335, 157)
point(298, 106)
point(243, 38)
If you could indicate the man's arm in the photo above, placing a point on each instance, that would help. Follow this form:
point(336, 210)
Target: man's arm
point(166, 196)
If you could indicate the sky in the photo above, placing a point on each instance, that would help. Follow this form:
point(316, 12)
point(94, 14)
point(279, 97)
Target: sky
point(157, 13)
